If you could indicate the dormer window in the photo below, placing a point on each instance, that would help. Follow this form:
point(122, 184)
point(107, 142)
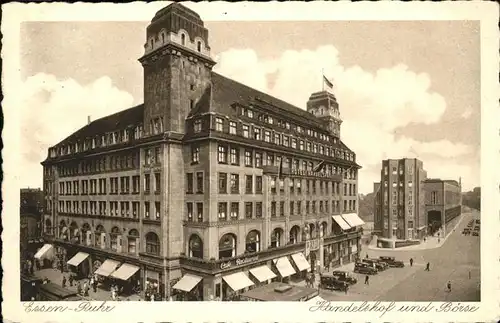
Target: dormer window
point(198, 46)
point(93, 143)
point(183, 40)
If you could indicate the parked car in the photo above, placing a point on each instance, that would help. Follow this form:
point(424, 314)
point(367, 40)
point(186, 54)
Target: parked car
point(392, 262)
point(379, 265)
point(475, 233)
point(476, 228)
point(478, 221)
point(364, 268)
point(466, 231)
point(345, 277)
point(333, 283)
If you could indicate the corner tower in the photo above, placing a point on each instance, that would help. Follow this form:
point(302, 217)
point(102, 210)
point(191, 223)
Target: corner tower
point(177, 68)
point(324, 106)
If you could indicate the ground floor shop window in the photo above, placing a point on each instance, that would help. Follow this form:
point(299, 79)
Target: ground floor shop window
point(152, 243)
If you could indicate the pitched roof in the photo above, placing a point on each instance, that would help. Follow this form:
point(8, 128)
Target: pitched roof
point(120, 120)
point(226, 92)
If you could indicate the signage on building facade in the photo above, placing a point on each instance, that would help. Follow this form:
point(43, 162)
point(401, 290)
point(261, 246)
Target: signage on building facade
point(300, 172)
point(238, 262)
point(312, 245)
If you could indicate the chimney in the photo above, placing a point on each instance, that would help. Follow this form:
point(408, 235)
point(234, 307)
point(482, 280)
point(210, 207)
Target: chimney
point(88, 120)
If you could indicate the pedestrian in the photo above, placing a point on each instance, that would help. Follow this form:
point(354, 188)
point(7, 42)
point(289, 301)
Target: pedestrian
point(366, 256)
point(449, 286)
point(45, 280)
point(113, 294)
point(428, 266)
point(71, 279)
point(367, 280)
point(439, 240)
point(411, 262)
point(425, 239)
point(78, 288)
point(346, 288)
point(94, 285)
point(64, 282)
point(85, 289)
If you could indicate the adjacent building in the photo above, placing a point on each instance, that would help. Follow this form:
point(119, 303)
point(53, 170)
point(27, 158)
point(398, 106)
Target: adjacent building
point(31, 208)
point(209, 187)
point(408, 206)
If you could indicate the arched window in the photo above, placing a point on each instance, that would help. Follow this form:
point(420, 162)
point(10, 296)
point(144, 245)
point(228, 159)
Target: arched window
point(152, 243)
point(86, 234)
point(227, 246)
point(48, 226)
point(294, 234)
point(63, 234)
point(183, 40)
point(133, 237)
point(312, 230)
point(324, 228)
point(74, 232)
point(277, 238)
point(195, 247)
point(198, 46)
point(114, 238)
point(252, 241)
point(100, 237)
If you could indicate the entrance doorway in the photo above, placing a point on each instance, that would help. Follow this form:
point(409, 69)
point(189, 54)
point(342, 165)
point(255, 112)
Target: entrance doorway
point(434, 221)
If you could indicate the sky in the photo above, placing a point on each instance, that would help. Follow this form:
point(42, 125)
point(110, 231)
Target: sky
point(405, 88)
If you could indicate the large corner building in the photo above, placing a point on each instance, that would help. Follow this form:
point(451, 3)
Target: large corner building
point(209, 186)
point(409, 206)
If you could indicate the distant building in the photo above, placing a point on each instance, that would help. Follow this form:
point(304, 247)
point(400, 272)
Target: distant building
point(443, 204)
point(409, 206)
point(399, 209)
point(31, 208)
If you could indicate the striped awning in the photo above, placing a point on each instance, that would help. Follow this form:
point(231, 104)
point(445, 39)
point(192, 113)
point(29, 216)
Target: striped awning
point(187, 282)
point(284, 267)
point(262, 273)
point(353, 219)
point(301, 261)
point(237, 281)
point(125, 271)
point(107, 267)
point(341, 222)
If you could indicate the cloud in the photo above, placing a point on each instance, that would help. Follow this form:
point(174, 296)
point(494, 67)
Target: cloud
point(52, 109)
point(373, 105)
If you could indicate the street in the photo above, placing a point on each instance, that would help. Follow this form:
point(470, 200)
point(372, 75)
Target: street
point(453, 261)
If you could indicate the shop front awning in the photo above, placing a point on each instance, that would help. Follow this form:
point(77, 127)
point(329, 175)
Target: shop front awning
point(422, 227)
point(78, 258)
point(284, 267)
point(187, 282)
point(237, 281)
point(43, 251)
point(262, 273)
point(341, 222)
point(301, 261)
point(353, 219)
point(107, 267)
point(125, 271)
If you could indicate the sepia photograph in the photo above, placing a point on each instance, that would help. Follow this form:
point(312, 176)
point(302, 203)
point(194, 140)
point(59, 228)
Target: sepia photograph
point(180, 159)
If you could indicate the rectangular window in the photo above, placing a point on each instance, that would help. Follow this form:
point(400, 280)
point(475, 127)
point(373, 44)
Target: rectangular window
point(135, 184)
point(273, 184)
point(235, 206)
point(246, 131)
point(273, 209)
point(248, 158)
point(146, 209)
point(256, 133)
point(258, 184)
point(234, 156)
point(219, 124)
point(299, 207)
point(189, 183)
point(292, 208)
point(235, 183)
point(222, 183)
point(157, 210)
point(277, 139)
point(258, 209)
point(314, 207)
point(308, 207)
point(222, 211)
point(267, 136)
point(222, 154)
point(249, 184)
point(147, 183)
point(157, 182)
point(282, 208)
point(189, 210)
point(135, 209)
point(248, 210)
point(301, 145)
point(232, 127)
point(195, 154)
point(258, 159)
point(270, 160)
point(199, 182)
point(199, 212)
point(197, 126)
point(291, 186)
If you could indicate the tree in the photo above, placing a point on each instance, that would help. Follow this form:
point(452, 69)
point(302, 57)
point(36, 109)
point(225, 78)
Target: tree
point(366, 207)
point(472, 199)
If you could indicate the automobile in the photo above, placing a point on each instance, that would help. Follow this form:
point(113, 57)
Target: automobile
point(345, 277)
point(392, 262)
point(476, 228)
point(364, 268)
point(378, 264)
point(478, 221)
point(332, 283)
point(466, 231)
point(475, 233)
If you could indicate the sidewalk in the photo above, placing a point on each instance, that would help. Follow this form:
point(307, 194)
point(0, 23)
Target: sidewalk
point(55, 276)
point(430, 243)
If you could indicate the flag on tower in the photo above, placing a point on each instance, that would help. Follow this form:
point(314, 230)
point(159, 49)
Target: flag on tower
point(320, 166)
point(327, 82)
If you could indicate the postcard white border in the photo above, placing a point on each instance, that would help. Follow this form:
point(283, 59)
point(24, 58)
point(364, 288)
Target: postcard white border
point(486, 12)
